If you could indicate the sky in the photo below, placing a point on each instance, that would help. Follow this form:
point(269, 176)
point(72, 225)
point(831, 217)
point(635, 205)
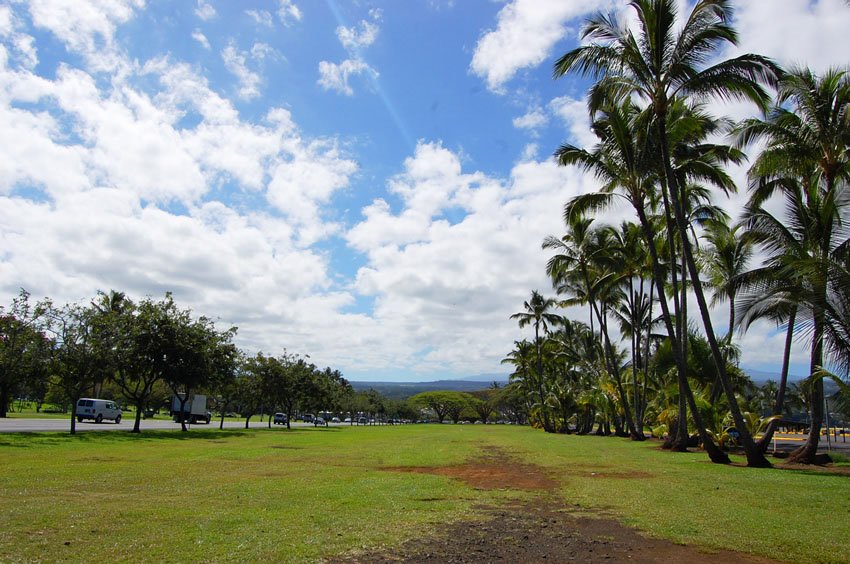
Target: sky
point(364, 182)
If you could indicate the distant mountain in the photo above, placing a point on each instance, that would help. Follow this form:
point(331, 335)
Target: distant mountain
point(402, 390)
point(500, 378)
point(762, 376)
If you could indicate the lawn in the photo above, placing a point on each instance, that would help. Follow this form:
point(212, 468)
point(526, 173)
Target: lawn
point(316, 492)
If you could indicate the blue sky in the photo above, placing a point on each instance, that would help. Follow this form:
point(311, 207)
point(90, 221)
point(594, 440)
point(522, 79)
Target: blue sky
point(366, 182)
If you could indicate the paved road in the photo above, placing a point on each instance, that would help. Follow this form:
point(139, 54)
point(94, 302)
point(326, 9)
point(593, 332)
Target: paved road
point(63, 425)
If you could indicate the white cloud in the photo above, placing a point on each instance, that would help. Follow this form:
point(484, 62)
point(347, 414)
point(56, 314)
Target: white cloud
point(22, 44)
point(261, 17)
point(462, 252)
point(576, 119)
point(810, 32)
point(235, 62)
point(261, 51)
point(288, 11)
point(525, 34)
point(333, 76)
point(301, 185)
point(353, 39)
point(205, 10)
point(531, 120)
point(86, 26)
point(198, 36)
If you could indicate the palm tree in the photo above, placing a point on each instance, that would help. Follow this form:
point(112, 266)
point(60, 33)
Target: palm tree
point(807, 162)
point(622, 160)
point(658, 66)
point(537, 313)
point(726, 258)
point(585, 259)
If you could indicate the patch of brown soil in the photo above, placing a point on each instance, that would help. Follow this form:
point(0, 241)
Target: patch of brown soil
point(490, 474)
point(542, 531)
point(826, 468)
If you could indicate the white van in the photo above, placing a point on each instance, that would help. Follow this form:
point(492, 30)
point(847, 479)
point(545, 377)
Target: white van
point(97, 409)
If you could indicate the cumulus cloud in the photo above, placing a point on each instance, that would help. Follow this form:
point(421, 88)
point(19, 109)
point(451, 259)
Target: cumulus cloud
point(531, 120)
point(526, 31)
point(235, 63)
point(356, 38)
point(573, 114)
point(205, 10)
point(288, 12)
point(333, 76)
point(261, 17)
point(435, 274)
point(86, 27)
point(198, 36)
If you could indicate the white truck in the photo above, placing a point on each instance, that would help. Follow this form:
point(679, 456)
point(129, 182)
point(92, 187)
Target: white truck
point(194, 411)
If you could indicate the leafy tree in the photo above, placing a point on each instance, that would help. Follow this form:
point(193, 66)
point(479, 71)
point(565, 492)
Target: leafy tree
point(132, 331)
point(443, 404)
point(22, 344)
point(80, 356)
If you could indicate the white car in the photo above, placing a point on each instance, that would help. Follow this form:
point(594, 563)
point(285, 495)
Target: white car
point(98, 410)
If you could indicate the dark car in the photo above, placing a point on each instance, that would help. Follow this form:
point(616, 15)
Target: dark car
point(280, 419)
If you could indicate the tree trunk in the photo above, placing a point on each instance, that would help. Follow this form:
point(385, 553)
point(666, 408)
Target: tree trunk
point(672, 433)
point(779, 406)
point(137, 425)
point(806, 453)
point(74, 418)
point(755, 458)
point(714, 453)
point(183, 401)
point(221, 423)
point(4, 400)
point(611, 361)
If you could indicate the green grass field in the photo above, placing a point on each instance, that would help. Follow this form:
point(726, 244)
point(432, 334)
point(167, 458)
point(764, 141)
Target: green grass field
point(312, 493)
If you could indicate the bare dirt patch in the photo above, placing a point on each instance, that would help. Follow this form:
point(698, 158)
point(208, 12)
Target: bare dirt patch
point(542, 529)
point(496, 472)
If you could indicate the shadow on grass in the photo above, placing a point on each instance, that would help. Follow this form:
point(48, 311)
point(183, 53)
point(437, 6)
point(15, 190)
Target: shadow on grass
point(41, 438)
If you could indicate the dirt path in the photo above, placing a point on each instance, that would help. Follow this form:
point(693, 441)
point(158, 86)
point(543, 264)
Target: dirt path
point(540, 530)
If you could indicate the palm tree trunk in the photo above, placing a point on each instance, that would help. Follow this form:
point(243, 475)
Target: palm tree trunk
point(615, 371)
point(754, 456)
point(779, 406)
point(715, 454)
point(806, 453)
point(546, 424)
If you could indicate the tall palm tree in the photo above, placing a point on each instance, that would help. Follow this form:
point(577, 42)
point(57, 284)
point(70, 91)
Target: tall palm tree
point(584, 258)
point(538, 313)
point(659, 65)
point(806, 162)
point(726, 258)
point(623, 161)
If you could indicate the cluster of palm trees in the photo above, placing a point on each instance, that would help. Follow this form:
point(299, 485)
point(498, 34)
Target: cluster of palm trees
point(660, 151)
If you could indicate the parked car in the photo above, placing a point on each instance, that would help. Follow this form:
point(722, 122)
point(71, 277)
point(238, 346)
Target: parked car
point(98, 410)
point(318, 421)
point(280, 419)
point(335, 420)
point(307, 417)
